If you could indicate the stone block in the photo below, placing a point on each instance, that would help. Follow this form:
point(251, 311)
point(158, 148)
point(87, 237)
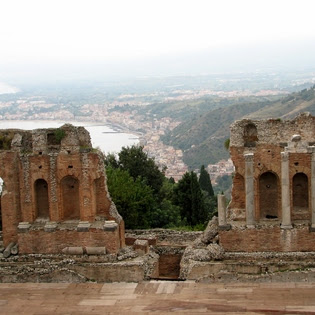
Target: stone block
point(24, 227)
point(83, 226)
point(7, 251)
point(95, 250)
point(73, 251)
point(110, 226)
point(225, 227)
point(141, 246)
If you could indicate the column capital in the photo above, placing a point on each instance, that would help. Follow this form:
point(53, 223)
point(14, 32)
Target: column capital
point(311, 149)
point(285, 156)
point(249, 157)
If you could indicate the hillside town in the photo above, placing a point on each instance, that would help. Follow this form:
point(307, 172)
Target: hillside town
point(149, 132)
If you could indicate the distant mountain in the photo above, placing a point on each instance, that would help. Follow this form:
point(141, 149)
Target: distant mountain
point(202, 139)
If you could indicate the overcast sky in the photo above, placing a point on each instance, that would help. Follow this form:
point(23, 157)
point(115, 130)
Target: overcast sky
point(115, 30)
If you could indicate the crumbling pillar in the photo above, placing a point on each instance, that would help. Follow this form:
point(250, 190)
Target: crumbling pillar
point(285, 191)
point(313, 189)
point(249, 190)
point(222, 213)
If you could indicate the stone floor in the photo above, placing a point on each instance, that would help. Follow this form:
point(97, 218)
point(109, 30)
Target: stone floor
point(158, 297)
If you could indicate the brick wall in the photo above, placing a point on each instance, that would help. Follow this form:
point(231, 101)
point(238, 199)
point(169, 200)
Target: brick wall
point(269, 239)
point(55, 242)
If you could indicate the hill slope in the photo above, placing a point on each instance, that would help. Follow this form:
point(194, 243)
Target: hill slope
point(202, 139)
point(288, 107)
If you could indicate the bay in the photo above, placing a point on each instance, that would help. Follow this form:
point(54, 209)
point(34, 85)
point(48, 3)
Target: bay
point(102, 136)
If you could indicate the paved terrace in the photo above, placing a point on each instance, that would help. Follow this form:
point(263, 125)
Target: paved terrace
point(157, 297)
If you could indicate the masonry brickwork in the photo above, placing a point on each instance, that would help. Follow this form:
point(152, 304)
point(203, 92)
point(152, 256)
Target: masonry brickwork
point(54, 193)
point(273, 194)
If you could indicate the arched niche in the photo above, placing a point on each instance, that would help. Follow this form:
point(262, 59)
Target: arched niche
point(70, 198)
point(268, 196)
point(250, 135)
point(300, 194)
point(42, 200)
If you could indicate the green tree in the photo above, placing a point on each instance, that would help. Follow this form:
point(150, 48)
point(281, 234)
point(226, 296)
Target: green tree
point(133, 198)
point(205, 181)
point(132, 175)
point(134, 160)
point(189, 197)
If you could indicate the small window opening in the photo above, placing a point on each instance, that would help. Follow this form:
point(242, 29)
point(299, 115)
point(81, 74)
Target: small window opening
point(250, 135)
point(40, 152)
point(268, 216)
point(39, 166)
point(296, 163)
point(70, 166)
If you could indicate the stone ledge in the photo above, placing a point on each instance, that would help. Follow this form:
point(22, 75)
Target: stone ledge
point(83, 226)
point(50, 226)
point(110, 226)
point(24, 227)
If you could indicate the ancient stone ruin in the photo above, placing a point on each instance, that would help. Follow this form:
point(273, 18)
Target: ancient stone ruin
point(54, 196)
point(56, 211)
point(273, 194)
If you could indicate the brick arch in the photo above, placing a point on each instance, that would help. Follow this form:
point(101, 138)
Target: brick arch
point(70, 196)
point(41, 197)
point(269, 196)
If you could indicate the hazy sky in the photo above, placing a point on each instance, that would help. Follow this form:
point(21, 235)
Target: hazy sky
point(116, 30)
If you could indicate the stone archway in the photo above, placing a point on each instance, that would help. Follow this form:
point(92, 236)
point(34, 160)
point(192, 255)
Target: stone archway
point(268, 196)
point(42, 201)
point(70, 198)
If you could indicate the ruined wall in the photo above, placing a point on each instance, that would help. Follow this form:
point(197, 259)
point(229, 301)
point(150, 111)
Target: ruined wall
point(271, 138)
point(54, 175)
point(268, 239)
point(272, 185)
point(55, 241)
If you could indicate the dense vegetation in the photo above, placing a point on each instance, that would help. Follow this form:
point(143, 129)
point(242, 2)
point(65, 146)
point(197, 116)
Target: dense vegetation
point(147, 199)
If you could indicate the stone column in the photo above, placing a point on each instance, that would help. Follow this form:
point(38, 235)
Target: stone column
point(285, 191)
point(222, 213)
point(313, 189)
point(249, 190)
